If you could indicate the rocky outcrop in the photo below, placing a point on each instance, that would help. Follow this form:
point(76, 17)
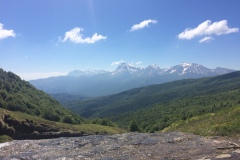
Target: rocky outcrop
point(130, 146)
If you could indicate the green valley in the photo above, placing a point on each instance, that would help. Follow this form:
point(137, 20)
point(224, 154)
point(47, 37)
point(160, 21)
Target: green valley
point(156, 107)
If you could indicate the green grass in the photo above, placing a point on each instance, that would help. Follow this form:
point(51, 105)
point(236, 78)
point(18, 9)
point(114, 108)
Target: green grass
point(224, 123)
point(19, 124)
point(85, 128)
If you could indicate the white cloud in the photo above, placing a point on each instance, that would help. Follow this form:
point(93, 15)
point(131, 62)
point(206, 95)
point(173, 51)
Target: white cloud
point(122, 61)
point(206, 39)
point(74, 35)
point(142, 25)
point(33, 76)
point(117, 63)
point(207, 28)
point(140, 62)
point(4, 33)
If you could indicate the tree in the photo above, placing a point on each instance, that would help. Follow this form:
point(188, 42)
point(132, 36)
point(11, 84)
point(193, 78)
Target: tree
point(134, 127)
point(51, 116)
point(67, 119)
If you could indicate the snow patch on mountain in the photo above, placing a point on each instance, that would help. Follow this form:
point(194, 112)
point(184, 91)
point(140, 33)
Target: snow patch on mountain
point(126, 68)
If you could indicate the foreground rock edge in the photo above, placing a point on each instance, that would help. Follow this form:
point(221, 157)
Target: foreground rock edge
point(134, 146)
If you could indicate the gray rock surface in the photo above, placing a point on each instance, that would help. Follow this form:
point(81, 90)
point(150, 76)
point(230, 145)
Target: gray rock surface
point(129, 146)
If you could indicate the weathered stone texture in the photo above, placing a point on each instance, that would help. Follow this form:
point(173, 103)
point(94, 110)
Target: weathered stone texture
point(130, 146)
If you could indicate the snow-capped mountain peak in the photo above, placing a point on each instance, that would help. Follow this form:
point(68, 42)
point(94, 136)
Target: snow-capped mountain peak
point(126, 68)
point(183, 64)
point(188, 68)
point(182, 70)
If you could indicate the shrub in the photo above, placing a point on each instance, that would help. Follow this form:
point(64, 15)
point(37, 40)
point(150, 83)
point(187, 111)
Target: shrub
point(67, 119)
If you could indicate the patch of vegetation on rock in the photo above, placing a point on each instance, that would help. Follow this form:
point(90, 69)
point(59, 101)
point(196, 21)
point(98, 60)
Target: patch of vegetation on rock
point(5, 138)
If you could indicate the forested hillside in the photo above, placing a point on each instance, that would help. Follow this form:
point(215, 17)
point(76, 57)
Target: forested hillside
point(28, 113)
point(158, 106)
point(19, 95)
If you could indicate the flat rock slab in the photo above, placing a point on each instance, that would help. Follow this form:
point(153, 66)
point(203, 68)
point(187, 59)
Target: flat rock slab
point(129, 146)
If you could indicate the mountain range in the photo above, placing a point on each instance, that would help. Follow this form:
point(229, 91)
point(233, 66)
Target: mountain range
point(92, 83)
point(182, 69)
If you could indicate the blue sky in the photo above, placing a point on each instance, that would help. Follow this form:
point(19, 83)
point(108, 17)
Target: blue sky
point(52, 37)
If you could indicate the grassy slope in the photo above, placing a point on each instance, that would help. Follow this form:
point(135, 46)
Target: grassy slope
point(223, 123)
point(18, 125)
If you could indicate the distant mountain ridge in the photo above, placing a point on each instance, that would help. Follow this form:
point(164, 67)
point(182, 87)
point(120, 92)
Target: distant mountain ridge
point(155, 70)
point(91, 83)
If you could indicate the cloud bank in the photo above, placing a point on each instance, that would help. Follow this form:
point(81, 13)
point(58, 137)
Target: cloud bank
point(40, 75)
point(4, 33)
point(207, 29)
point(122, 61)
point(142, 25)
point(139, 62)
point(75, 36)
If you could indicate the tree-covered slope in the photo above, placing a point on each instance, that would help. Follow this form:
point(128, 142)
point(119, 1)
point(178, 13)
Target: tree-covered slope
point(19, 95)
point(159, 116)
point(157, 106)
point(64, 98)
